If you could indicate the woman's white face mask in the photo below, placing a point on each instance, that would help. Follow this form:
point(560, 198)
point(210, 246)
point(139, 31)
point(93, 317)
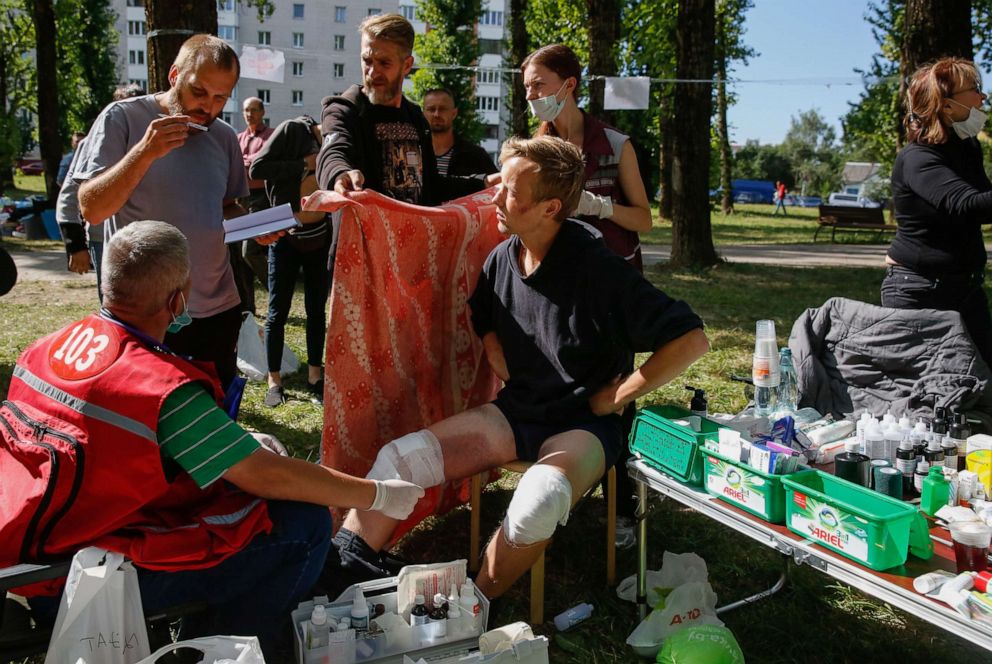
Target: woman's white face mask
point(972, 125)
point(546, 109)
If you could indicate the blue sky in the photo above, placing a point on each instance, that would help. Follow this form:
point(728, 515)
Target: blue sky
point(805, 44)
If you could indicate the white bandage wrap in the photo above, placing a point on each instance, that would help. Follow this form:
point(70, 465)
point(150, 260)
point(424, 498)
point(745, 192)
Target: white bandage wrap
point(415, 457)
point(542, 500)
point(594, 205)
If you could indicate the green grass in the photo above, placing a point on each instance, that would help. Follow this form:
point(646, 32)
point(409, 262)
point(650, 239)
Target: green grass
point(813, 619)
point(25, 185)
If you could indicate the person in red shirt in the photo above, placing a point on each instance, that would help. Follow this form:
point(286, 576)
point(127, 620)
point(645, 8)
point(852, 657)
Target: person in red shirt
point(779, 199)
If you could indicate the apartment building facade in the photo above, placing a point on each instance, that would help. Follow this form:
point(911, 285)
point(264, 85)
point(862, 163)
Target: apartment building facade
point(320, 42)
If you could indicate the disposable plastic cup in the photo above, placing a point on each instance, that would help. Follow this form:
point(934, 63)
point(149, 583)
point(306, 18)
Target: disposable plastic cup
point(971, 545)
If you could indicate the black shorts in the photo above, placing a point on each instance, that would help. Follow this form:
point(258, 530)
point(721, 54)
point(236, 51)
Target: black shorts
point(529, 436)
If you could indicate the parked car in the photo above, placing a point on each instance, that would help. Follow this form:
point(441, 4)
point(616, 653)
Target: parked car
point(31, 166)
point(852, 200)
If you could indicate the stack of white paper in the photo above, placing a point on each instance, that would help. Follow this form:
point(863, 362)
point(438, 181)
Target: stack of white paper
point(259, 223)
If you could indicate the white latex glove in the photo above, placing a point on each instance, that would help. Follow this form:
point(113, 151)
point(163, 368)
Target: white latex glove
point(270, 443)
point(596, 206)
point(395, 498)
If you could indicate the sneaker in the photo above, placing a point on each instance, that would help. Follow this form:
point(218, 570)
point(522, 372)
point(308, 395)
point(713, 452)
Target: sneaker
point(275, 397)
point(625, 536)
point(316, 390)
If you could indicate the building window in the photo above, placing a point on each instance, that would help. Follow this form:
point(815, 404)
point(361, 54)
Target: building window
point(264, 38)
point(136, 57)
point(297, 40)
point(489, 17)
point(136, 28)
point(340, 14)
point(222, 5)
point(491, 46)
point(227, 117)
point(297, 68)
point(297, 97)
point(492, 131)
point(264, 95)
point(408, 11)
point(487, 103)
point(488, 76)
point(298, 10)
point(373, 11)
point(338, 70)
point(142, 82)
point(227, 32)
point(338, 42)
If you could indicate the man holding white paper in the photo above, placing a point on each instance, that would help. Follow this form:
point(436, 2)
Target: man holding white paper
point(166, 156)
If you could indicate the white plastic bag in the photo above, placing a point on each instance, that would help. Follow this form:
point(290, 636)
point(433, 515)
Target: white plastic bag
point(689, 605)
point(216, 650)
point(100, 619)
point(676, 569)
point(252, 361)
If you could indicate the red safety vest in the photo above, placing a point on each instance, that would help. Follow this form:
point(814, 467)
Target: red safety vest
point(80, 460)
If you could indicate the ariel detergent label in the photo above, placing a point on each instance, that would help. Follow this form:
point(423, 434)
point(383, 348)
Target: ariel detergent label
point(825, 523)
point(736, 485)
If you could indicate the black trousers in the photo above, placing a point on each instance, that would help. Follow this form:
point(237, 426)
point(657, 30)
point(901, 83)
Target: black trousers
point(211, 339)
point(903, 288)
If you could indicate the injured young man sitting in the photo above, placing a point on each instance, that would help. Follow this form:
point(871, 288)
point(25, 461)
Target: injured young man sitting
point(560, 317)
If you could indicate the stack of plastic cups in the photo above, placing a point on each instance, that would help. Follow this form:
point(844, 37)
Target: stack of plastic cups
point(765, 368)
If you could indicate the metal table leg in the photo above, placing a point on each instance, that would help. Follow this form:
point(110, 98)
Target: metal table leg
point(759, 595)
point(642, 548)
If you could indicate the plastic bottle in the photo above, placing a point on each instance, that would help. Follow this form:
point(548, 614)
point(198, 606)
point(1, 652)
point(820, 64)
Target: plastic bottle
point(851, 465)
point(904, 426)
point(471, 610)
point(919, 437)
point(317, 628)
point(906, 464)
point(698, 405)
point(959, 431)
point(938, 425)
point(922, 470)
point(859, 430)
point(359, 611)
point(933, 454)
point(874, 441)
point(787, 395)
point(949, 447)
point(764, 368)
point(454, 612)
point(892, 439)
point(573, 616)
point(936, 491)
point(419, 614)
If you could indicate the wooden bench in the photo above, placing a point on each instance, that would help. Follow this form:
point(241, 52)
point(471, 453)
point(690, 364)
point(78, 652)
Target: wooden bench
point(852, 219)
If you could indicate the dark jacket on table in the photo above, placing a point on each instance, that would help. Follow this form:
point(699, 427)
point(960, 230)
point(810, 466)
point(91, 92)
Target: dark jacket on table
point(469, 159)
point(350, 144)
point(280, 161)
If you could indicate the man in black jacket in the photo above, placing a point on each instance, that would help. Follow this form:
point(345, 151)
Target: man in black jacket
point(455, 156)
point(374, 137)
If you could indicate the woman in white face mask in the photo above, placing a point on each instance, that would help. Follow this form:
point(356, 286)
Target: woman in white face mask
point(614, 200)
point(941, 198)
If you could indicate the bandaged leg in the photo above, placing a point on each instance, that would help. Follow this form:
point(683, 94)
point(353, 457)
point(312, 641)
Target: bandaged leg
point(542, 501)
point(415, 457)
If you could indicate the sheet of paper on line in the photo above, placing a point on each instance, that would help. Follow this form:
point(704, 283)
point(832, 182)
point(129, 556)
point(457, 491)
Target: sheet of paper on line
point(263, 64)
point(427, 580)
point(627, 93)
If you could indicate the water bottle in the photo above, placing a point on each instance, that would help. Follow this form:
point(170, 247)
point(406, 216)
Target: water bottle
point(787, 394)
point(572, 616)
point(764, 368)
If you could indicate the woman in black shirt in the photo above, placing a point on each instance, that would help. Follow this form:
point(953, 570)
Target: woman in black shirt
point(942, 196)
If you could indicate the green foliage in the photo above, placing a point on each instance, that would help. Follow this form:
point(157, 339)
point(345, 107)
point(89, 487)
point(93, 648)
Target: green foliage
point(810, 147)
point(559, 22)
point(86, 47)
point(16, 40)
point(263, 7)
point(451, 40)
point(763, 162)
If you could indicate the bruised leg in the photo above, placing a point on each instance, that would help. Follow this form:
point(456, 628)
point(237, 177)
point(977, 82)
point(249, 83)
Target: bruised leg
point(471, 442)
point(576, 455)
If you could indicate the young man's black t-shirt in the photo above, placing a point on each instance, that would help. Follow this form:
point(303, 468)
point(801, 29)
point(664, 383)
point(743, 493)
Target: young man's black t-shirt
point(572, 325)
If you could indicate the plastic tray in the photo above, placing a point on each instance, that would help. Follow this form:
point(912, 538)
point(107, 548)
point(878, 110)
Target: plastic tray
point(752, 490)
point(863, 525)
point(671, 447)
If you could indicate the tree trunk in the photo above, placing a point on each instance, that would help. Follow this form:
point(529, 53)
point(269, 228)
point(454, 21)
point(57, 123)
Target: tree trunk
point(6, 174)
point(722, 131)
point(692, 239)
point(50, 142)
point(518, 51)
point(666, 128)
point(604, 32)
point(932, 29)
point(170, 23)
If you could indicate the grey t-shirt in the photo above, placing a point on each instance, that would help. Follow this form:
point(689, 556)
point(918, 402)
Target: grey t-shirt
point(67, 204)
point(186, 188)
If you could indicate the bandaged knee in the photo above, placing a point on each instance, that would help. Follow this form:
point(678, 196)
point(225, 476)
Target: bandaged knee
point(415, 457)
point(542, 501)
